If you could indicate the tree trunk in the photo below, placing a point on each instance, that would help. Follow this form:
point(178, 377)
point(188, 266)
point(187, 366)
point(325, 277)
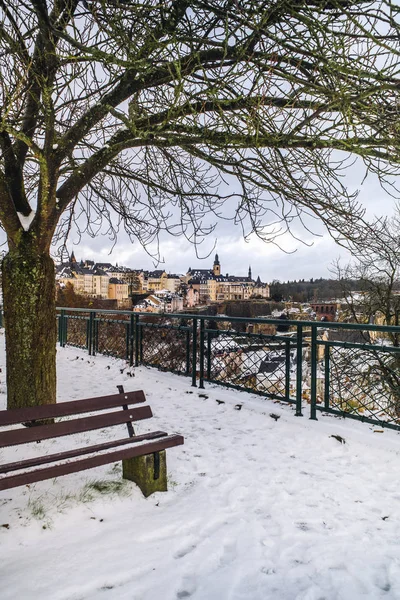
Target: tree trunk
point(30, 325)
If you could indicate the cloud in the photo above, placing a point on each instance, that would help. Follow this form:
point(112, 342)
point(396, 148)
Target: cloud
point(235, 254)
point(298, 256)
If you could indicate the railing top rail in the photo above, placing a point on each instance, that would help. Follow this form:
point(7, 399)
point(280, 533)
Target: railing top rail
point(271, 321)
point(359, 346)
point(98, 310)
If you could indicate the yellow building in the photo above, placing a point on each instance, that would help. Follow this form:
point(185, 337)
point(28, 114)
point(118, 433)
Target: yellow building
point(172, 283)
point(87, 280)
point(154, 281)
point(88, 283)
point(118, 290)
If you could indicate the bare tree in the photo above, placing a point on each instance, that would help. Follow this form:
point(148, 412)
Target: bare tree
point(143, 115)
point(376, 269)
point(370, 284)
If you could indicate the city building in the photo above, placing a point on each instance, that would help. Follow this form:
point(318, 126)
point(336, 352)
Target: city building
point(154, 280)
point(208, 285)
point(198, 286)
point(118, 290)
point(89, 281)
point(173, 282)
point(326, 311)
point(162, 301)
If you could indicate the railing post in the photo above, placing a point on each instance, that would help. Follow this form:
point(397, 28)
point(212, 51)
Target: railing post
point(90, 342)
point(287, 371)
point(87, 333)
point(62, 329)
point(94, 348)
point(187, 351)
point(65, 329)
point(141, 329)
point(127, 341)
point(299, 369)
point(327, 376)
point(194, 352)
point(137, 342)
point(201, 383)
point(208, 355)
point(60, 316)
point(131, 338)
point(96, 324)
point(313, 385)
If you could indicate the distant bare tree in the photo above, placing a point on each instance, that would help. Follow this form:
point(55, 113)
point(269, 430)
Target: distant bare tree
point(376, 268)
point(133, 281)
point(143, 115)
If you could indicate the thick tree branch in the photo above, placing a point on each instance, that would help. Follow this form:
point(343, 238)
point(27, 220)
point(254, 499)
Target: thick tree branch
point(8, 215)
point(13, 175)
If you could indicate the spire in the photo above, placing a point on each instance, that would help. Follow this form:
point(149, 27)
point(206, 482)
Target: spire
point(249, 272)
point(216, 266)
point(73, 259)
point(258, 282)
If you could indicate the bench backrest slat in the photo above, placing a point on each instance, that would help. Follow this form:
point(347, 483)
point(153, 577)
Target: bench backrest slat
point(53, 430)
point(64, 409)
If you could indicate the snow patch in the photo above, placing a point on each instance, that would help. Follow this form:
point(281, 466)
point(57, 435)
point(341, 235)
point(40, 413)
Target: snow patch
point(26, 221)
point(261, 504)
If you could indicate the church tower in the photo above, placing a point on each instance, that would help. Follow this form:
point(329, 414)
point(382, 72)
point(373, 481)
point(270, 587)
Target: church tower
point(216, 266)
point(249, 272)
point(73, 259)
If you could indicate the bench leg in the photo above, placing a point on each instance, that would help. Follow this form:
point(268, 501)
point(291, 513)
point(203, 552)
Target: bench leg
point(149, 472)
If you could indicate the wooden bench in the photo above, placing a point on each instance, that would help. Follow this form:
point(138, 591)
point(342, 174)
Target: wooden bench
point(143, 456)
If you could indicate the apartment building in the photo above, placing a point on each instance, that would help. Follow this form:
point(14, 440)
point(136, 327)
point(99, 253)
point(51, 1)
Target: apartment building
point(118, 290)
point(86, 280)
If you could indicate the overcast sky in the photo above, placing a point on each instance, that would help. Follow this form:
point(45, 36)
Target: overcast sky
point(312, 259)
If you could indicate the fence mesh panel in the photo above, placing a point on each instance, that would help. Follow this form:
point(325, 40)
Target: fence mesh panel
point(77, 329)
point(112, 337)
point(365, 383)
point(166, 343)
point(256, 362)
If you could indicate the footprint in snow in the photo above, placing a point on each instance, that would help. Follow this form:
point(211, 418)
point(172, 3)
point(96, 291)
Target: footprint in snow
point(184, 551)
point(229, 554)
point(188, 588)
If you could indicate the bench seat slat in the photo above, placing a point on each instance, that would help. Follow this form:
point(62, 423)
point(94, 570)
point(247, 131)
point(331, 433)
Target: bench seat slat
point(64, 409)
point(53, 430)
point(89, 463)
point(59, 456)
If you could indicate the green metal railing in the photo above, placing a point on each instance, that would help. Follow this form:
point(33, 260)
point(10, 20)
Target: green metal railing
point(304, 366)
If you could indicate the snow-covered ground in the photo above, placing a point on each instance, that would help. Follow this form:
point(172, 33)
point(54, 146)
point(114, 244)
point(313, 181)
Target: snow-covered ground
point(258, 508)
